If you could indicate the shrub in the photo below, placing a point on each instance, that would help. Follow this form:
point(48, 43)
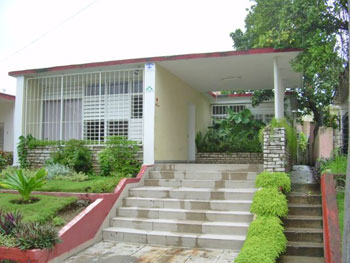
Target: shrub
point(257, 249)
point(274, 179)
point(75, 155)
point(338, 165)
point(269, 202)
point(34, 235)
point(9, 221)
point(237, 133)
point(74, 177)
point(271, 228)
point(22, 183)
point(58, 221)
point(7, 241)
point(119, 156)
point(106, 186)
point(57, 169)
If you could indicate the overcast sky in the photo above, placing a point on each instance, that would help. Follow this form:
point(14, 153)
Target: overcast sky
point(44, 33)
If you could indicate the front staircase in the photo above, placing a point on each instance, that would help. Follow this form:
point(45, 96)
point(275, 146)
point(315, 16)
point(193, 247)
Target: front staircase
point(188, 205)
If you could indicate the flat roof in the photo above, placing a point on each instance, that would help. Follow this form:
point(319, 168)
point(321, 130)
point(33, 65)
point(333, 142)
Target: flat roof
point(217, 71)
point(150, 59)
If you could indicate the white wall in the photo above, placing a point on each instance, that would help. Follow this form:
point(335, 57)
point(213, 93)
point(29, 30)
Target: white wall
point(6, 117)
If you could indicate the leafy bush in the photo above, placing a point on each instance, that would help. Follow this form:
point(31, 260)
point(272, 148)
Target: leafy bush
point(119, 156)
point(75, 155)
point(3, 162)
point(7, 241)
point(74, 177)
point(269, 202)
point(274, 179)
point(34, 235)
point(106, 186)
point(338, 165)
point(22, 183)
point(57, 169)
point(239, 132)
point(9, 221)
point(58, 221)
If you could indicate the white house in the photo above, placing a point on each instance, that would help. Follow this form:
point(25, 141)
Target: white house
point(7, 108)
point(161, 102)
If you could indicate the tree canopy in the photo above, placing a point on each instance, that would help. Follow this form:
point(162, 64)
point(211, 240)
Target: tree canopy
point(319, 28)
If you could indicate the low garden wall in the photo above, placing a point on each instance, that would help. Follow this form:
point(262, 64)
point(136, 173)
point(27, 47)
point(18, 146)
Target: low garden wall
point(36, 157)
point(277, 158)
point(230, 158)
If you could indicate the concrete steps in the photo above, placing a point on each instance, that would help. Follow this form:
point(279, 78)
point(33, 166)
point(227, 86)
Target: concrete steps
point(176, 239)
point(184, 226)
point(188, 205)
point(194, 193)
point(303, 225)
point(230, 205)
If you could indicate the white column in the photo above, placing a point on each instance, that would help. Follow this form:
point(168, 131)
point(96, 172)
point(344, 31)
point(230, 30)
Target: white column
point(149, 113)
point(18, 117)
point(279, 91)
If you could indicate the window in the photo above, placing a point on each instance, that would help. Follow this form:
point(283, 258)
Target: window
point(118, 128)
point(94, 130)
point(118, 88)
point(220, 111)
point(71, 124)
point(94, 90)
point(136, 106)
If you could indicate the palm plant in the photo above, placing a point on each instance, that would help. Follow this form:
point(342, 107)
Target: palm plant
point(23, 183)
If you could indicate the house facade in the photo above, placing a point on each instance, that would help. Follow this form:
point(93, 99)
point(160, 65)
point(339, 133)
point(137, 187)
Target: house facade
point(160, 102)
point(7, 108)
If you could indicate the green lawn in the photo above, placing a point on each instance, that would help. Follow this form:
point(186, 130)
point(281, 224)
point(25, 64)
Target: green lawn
point(40, 211)
point(96, 184)
point(340, 203)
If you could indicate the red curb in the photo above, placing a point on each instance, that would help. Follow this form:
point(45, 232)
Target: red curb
point(81, 229)
point(331, 232)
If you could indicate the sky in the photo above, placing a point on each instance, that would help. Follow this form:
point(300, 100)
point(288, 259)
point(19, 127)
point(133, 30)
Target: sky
point(44, 33)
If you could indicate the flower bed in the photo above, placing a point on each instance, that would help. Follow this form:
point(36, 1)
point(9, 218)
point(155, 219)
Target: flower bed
point(81, 229)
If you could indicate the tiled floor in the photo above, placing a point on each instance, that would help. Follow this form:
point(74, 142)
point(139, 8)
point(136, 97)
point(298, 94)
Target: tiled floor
point(113, 252)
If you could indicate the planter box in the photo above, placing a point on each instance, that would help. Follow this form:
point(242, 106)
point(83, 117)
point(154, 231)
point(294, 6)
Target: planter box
point(230, 158)
point(80, 230)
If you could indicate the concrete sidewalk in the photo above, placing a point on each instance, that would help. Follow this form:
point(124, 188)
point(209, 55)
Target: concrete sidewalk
point(119, 252)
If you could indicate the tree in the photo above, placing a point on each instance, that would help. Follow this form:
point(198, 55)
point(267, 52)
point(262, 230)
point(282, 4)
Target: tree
point(319, 28)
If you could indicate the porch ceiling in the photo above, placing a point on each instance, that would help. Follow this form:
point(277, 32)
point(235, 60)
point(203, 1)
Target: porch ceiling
point(236, 72)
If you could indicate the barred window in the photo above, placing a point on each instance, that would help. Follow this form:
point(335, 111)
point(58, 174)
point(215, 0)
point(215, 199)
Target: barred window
point(118, 128)
point(94, 130)
point(136, 106)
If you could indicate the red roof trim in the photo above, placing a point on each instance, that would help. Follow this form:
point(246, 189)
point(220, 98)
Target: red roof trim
point(153, 59)
point(7, 96)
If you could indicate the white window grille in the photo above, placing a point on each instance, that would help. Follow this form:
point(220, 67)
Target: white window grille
point(88, 106)
point(220, 111)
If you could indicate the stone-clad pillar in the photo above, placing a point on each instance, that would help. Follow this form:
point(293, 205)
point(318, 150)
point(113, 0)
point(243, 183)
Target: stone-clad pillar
point(276, 155)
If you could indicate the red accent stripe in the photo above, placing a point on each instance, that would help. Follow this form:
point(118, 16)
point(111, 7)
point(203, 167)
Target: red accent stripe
point(7, 96)
point(331, 232)
point(153, 59)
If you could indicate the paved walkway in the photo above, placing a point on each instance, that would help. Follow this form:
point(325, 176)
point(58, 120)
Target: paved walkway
point(113, 252)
